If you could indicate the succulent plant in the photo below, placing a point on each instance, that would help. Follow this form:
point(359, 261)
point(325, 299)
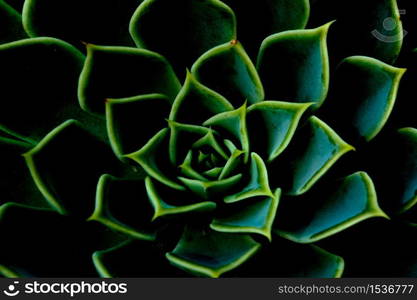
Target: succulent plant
point(163, 138)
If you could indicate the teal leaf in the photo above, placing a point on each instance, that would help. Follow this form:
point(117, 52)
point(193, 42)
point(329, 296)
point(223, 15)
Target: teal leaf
point(228, 70)
point(294, 65)
point(258, 184)
point(128, 118)
point(209, 253)
point(285, 259)
point(169, 203)
point(76, 21)
point(211, 189)
point(145, 260)
point(196, 103)
point(10, 24)
point(189, 29)
point(232, 164)
point(270, 16)
point(271, 126)
point(363, 97)
point(232, 124)
point(329, 210)
point(154, 159)
point(396, 177)
point(182, 138)
point(313, 151)
point(66, 166)
point(43, 245)
point(123, 205)
point(17, 184)
point(35, 74)
point(107, 73)
point(254, 215)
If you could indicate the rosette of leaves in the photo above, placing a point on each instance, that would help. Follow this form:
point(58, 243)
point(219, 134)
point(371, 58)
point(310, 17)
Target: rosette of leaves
point(168, 138)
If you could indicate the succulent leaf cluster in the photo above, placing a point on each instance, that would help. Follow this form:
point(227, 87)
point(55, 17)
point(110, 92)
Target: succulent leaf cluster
point(166, 138)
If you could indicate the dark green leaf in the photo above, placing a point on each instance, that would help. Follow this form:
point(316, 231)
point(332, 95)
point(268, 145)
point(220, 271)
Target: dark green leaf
point(228, 70)
point(122, 72)
point(182, 30)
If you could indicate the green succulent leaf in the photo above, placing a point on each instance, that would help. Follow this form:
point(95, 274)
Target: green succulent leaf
point(39, 81)
point(107, 74)
point(271, 126)
point(328, 211)
point(285, 259)
point(46, 236)
point(294, 65)
point(16, 4)
point(76, 21)
point(232, 164)
point(233, 124)
point(126, 119)
point(196, 103)
point(314, 150)
point(210, 253)
point(69, 153)
point(254, 215)
point(144, 261)
point(10, 24)
point(258, 184)
point(122, 206)
point(270, 16)
point(211, 189)
point(17, 184)
point(182, 138)
point(363, 97)
point(228, 70)
point(396, 179)
point(162, 205)
point(189, 29)
point(154, 159)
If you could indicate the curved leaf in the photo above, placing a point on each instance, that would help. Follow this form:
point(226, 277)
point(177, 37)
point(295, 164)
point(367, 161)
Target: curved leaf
point(122, 205)
point(10, 24)
point(95, 21)
point(211, 189)
point(39, 82)
point(314, 150)
point(154, 159)
point(258, 184)
point(270, 16)
point(271, 126)
point(329, 210)
point(254, 215)
point(228, 70)
point(190, 28)
point(396, 178)
point(127, 119)
point(294, 65)
point(66, 166)
point(210, 253)
point(16, 184)
point(107, 73)
point(162, 207)
point(284, 259)
point(145, 260)
point(233, 125)
point(363, 97)
point(195, 103)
